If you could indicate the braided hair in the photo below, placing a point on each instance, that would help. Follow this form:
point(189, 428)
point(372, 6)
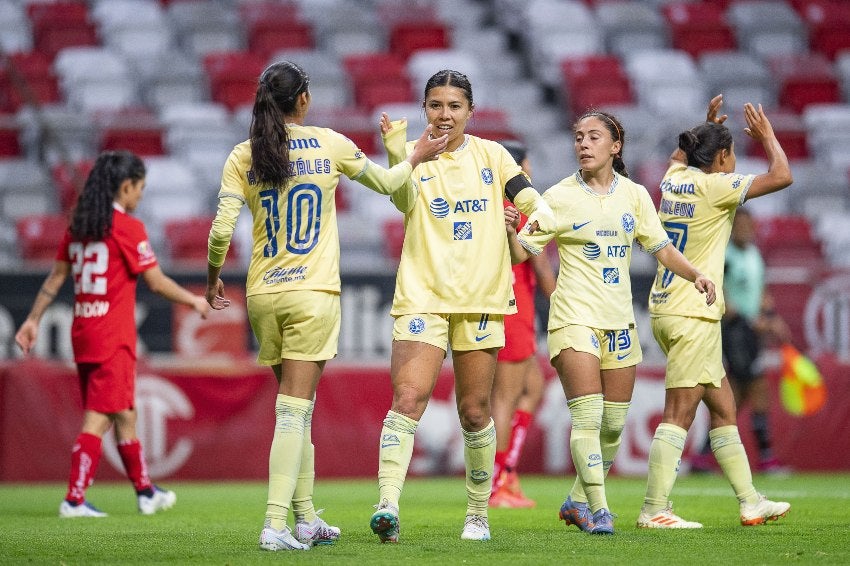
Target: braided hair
point(92, 215)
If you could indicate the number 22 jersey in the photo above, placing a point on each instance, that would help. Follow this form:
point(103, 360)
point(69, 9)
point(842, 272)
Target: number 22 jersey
point(105, 273)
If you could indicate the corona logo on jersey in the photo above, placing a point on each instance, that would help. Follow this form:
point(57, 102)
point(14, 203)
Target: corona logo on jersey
point(158, 401)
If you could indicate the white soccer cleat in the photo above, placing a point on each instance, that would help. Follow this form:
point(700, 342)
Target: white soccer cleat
point(665, 519)
point(316, 532)
point(84, 509)
point(161, 500)
point(475, 527)
point(384, 521)
point(763, 511)
point(273, 540)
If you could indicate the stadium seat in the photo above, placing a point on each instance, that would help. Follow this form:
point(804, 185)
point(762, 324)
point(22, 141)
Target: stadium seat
point(69, 179)
point(354, 123)
point(272, 26)
point(137, 130)
point(135, 28)
point(95, 78)
point(39, 237)
point(490, 124)
point(767, 27)
point(740, 76)
point(378, 78)
point(667, 82)
point(203, 27)
point(10, 145)
point(583, 89)
point(186, 242)
point(27, 78)
point(786, 231)
point(829, 25)
point(407, 37)
point(233, 76)
point(15, 32)
point(804, 79)
point(393, 230)
point(56, 25)
point(698, 28)
point(631, 26)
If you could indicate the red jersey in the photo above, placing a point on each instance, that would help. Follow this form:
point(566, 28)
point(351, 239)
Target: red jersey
point(105, 273)
point(520, 338)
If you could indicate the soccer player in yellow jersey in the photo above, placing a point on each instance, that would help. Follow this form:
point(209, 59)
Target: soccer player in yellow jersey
point(593, 345)
point(700, 193)
point(287, 174)
point(453, 289)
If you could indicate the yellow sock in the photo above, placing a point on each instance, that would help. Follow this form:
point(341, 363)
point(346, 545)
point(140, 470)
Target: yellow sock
point(302, 497)
point(395, 452)
point(586, 415)
point(610, 435)
point(479, 453)
point(285, 457)
point(732, 458)
point(665, 455)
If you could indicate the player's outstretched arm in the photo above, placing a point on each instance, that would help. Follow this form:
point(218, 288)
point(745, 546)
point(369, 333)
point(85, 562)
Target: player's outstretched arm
point(168, 288)
point(672, 259)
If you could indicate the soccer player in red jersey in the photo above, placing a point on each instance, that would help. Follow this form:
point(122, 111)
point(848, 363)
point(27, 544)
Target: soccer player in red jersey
point(105, 250)
point(518, 383)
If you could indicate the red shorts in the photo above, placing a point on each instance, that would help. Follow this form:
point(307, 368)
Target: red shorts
point(109, 386)
point(520, 339)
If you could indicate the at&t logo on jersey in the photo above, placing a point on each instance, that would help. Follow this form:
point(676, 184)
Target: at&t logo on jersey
point(610, 275)
point(591, 250)
point(628, 223)
point(416, 326)
point(487, 176)
point(439, 207)
point(463, 231)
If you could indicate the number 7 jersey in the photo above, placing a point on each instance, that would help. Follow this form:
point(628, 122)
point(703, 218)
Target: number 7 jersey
point(697, 210)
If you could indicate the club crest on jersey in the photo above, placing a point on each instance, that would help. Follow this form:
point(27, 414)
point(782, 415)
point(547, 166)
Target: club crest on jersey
point(610, 275)
point(252, 179)
point(487, 176)
point(628, 223)
point(591, 250)
point(145, 252)
point(463, 231)
point(439, 207)
point(416, 326)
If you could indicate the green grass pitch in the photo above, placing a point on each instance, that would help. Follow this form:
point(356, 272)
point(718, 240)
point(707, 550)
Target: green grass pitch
point(219, 523)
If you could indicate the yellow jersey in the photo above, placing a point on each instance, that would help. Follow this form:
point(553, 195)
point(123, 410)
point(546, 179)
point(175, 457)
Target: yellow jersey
point(295, 235)
point(697, 210)
point(455, 255)
point(595, 234)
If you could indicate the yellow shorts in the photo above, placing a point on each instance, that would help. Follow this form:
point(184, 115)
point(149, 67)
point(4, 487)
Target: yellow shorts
point(463, 331)
point(693, 349)
point(614, 348)
point(296, 325)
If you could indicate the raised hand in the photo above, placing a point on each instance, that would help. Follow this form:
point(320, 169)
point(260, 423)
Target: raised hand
point(713, 109)
point(758, 126)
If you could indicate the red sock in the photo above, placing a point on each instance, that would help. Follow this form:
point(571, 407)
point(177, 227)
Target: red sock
point(134, 463)
point(519, 430)
point(85, 456)
point(498, 467)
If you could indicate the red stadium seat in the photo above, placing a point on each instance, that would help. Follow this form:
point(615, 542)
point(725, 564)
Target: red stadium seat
point(233, 76)
point(787, 232)
point(39, 236)
point(407, 37)
point(271, 27)
point(829, 25)
point(56, 25)
point(10, 145)
point(791, 132)
point(491, 124)
point(699, 27)
point(382, 90)
point(366, 66)
point(378, 78)
point(187, 241)
point(136, 130)
point(393, 238)
point(354, 123)
point(69, 179)
point(583, 87)
point(805, 79)
point(27, 78)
